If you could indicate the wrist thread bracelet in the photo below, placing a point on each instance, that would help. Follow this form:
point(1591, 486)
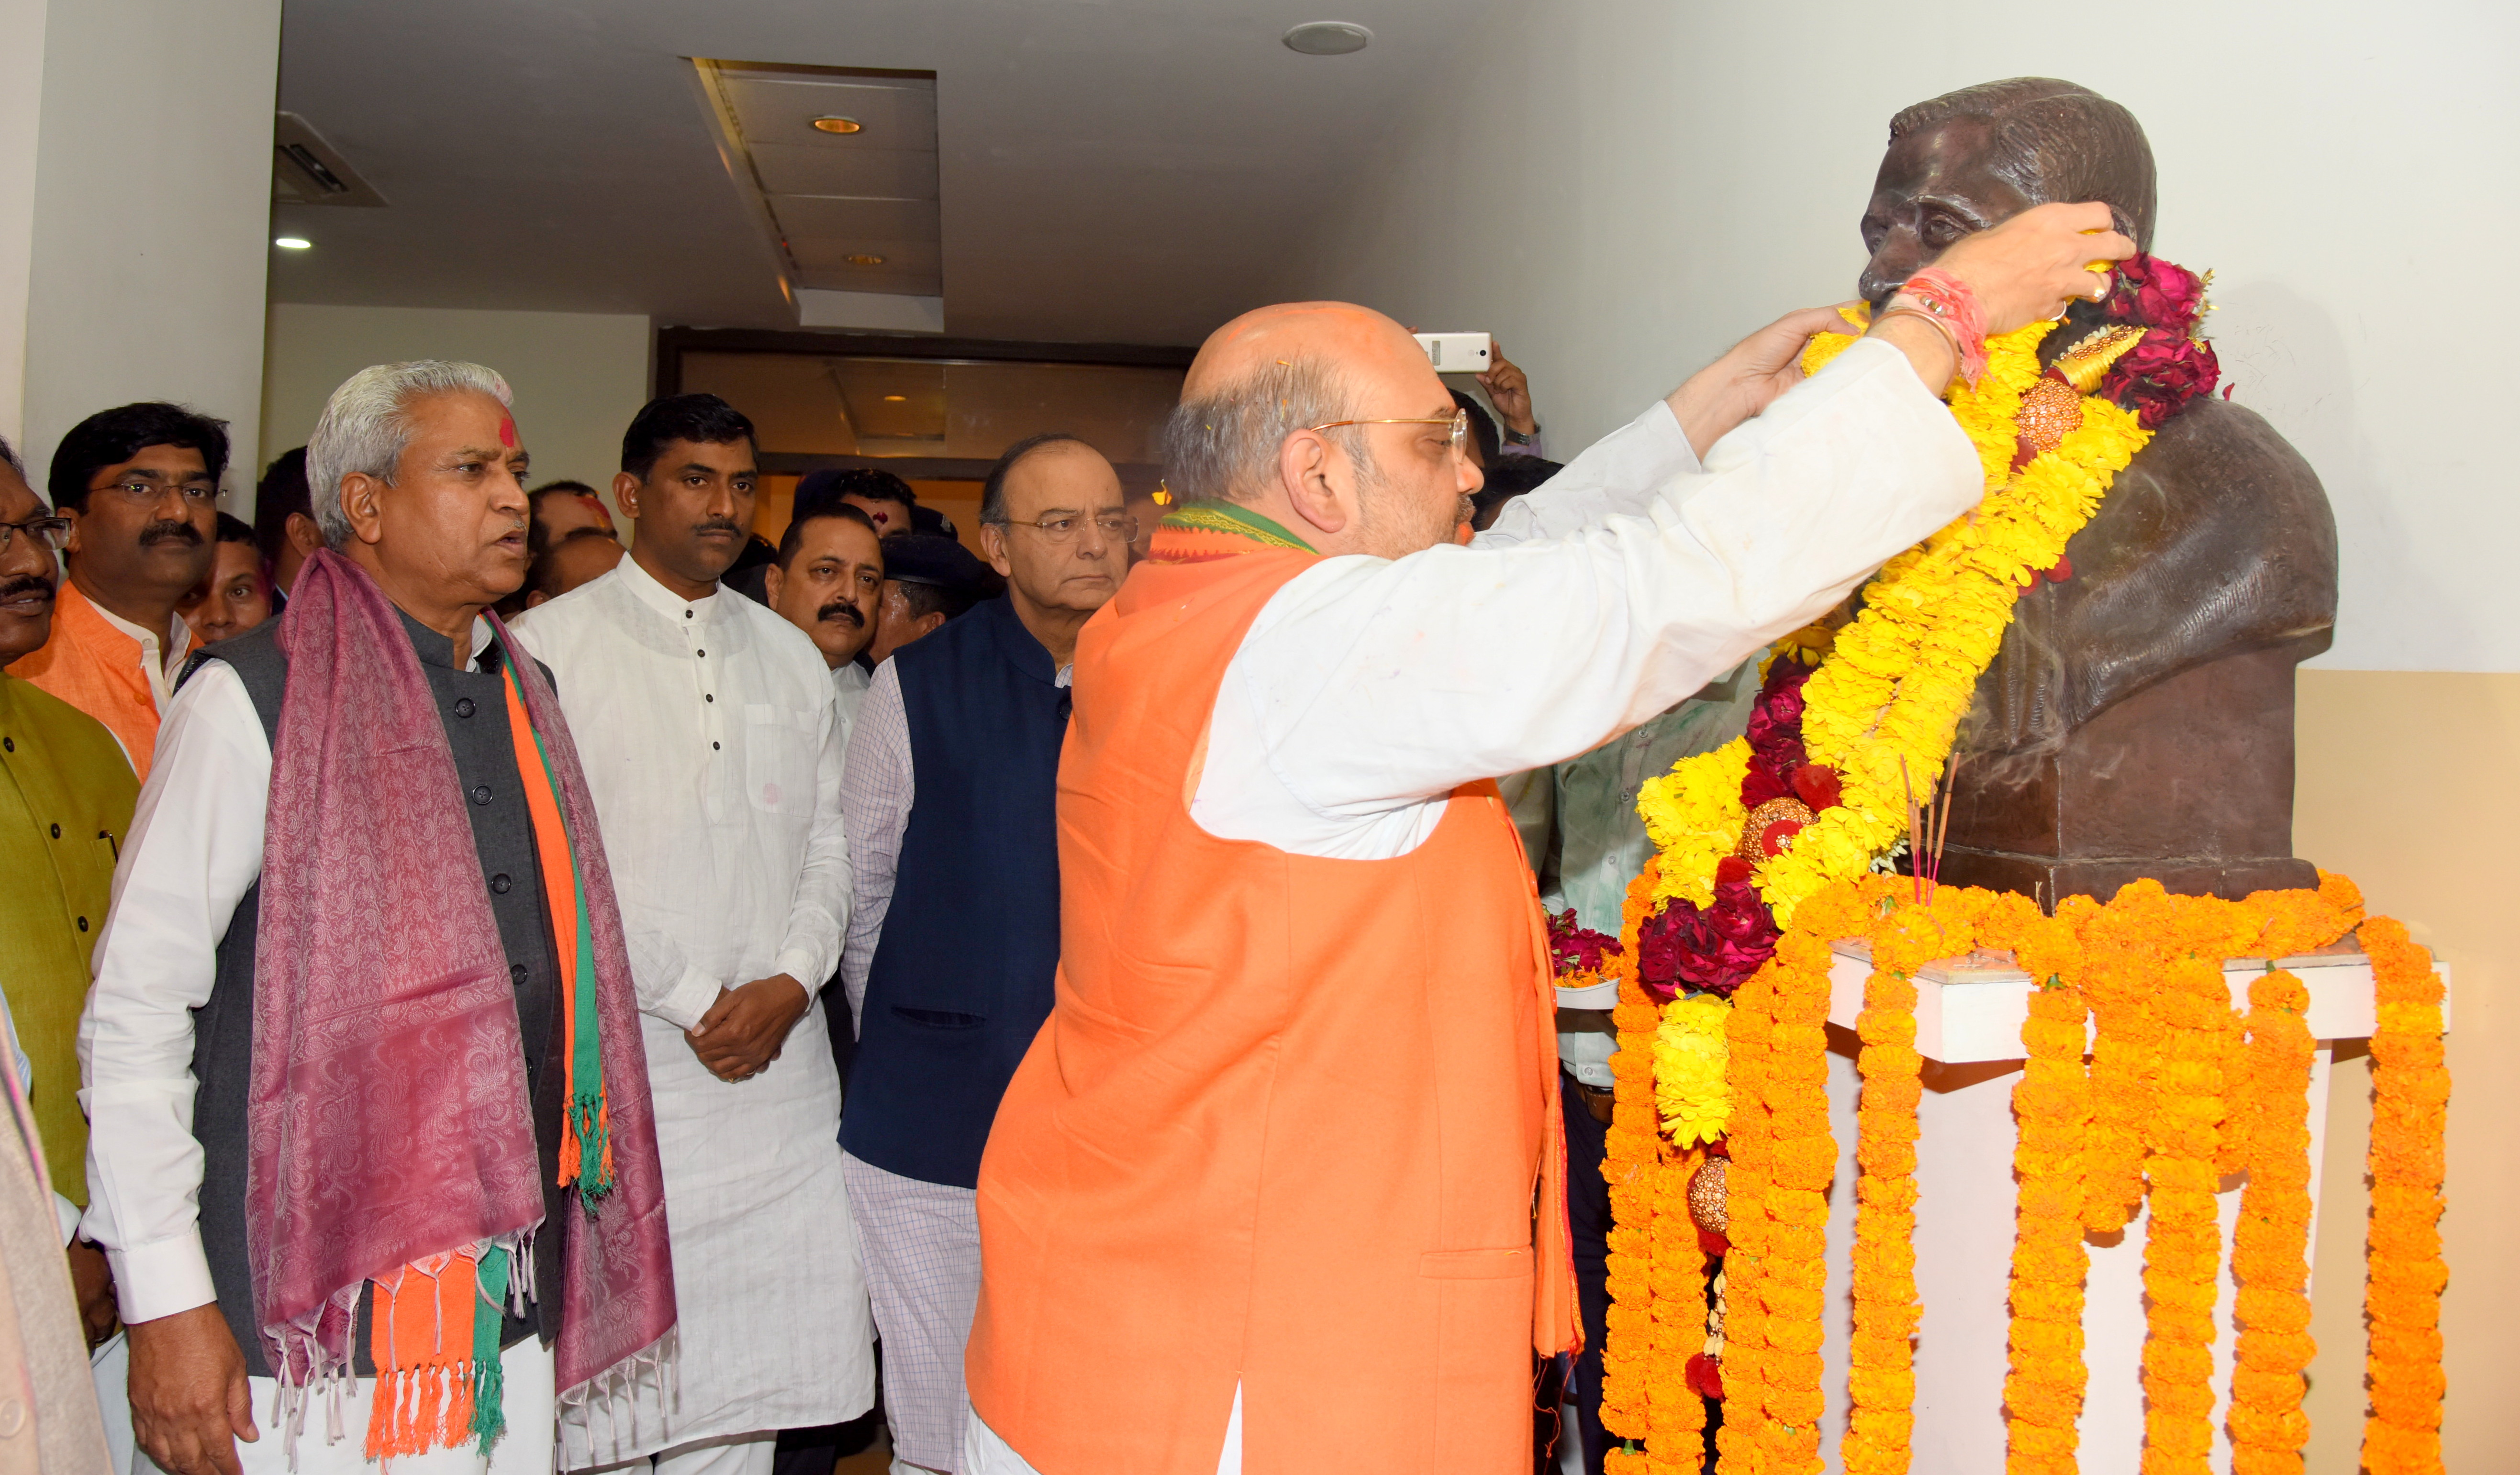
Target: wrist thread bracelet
point(1949, 301)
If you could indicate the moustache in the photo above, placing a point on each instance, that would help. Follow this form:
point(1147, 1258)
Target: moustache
point(718, 525)
point(839, 609)
point(25, 584)
point(171, 532)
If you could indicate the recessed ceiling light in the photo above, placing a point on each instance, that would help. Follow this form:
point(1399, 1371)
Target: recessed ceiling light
point(860, 258)
point(838, 125)
point(896, 399)
point(292, 242)
point(1328, 38)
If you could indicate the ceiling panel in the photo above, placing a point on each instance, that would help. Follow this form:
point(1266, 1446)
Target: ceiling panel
point(894, 114)
point(832, 252)
point(837, 169)
point(828, 215)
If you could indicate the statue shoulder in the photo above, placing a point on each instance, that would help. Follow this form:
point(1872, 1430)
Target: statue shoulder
point(2227, 454)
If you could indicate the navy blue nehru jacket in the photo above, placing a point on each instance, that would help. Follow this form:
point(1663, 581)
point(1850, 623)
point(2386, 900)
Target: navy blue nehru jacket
point(961, 976)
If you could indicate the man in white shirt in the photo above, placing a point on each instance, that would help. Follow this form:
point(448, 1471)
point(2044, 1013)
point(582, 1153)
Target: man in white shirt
point(711, 747)
point(1296, 1091)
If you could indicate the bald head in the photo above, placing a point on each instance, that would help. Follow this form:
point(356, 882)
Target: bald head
point(1248, 429)
point(1353, 343)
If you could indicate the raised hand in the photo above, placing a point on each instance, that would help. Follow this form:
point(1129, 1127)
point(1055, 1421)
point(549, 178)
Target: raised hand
point(2033, 265)
point(1508, 390)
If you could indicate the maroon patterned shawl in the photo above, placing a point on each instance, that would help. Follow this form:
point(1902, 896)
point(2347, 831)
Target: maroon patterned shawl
point(388, 1115)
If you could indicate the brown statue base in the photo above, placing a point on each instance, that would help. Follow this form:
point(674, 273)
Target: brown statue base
point(2214, 741)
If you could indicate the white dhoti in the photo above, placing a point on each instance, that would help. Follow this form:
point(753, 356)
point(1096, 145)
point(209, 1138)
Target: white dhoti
point(775, 1331)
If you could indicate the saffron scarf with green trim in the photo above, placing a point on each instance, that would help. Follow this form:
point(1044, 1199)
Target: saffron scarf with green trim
point(1202, 532)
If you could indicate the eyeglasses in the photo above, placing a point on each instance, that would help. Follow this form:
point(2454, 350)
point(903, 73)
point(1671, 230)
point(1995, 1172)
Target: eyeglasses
point(1118, 527)
point(1459, 419)
point(144, 493)
point(52, 532)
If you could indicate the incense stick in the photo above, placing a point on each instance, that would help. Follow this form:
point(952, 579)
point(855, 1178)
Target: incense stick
point(1915, 845)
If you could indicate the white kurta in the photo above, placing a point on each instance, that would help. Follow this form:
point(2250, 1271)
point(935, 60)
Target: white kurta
point(710, 742)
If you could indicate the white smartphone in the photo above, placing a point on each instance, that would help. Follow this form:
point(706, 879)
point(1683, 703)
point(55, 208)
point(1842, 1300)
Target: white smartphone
point(1457, 352)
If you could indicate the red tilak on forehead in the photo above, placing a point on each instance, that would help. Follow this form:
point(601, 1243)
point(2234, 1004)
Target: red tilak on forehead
point(508, 432)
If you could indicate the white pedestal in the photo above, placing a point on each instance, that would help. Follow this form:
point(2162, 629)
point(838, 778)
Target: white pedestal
point(1969, 1013)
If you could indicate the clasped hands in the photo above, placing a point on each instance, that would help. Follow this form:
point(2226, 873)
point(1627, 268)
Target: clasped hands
point(2030, 267)
point(748, 1027)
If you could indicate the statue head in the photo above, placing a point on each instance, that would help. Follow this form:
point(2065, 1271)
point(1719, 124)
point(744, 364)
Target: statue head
point(1972, 159)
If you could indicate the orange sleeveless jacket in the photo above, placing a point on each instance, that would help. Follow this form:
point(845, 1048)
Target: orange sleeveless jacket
point(98, 669)
point(1289, 1124)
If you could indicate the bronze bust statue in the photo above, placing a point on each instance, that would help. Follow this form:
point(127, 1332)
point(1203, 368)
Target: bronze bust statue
point(2138, 720)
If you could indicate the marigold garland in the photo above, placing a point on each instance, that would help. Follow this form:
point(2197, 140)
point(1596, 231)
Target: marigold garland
point(2410, 1097)
point(1750, 1029)
point(2208, 1082)
point(2046, 1378)
point(2271, 1244)
point(1631, 1158)
point(1688, 1052)
point(1899, 677)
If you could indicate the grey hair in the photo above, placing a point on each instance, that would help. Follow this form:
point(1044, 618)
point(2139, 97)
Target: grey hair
point(1224, 448)
point(365, 427)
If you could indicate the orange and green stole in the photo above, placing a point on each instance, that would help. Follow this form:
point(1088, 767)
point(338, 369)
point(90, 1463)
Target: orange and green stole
point(1202, 532)
point(435, 1322)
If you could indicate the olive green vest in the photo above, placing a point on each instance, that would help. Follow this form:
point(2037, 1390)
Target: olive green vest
point(66, 797)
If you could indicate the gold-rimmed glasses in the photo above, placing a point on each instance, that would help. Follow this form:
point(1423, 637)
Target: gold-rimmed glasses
point(1459, 419)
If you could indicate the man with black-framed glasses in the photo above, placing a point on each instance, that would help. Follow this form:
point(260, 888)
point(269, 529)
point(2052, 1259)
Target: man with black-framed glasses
point(954, 925)
point(140, 486)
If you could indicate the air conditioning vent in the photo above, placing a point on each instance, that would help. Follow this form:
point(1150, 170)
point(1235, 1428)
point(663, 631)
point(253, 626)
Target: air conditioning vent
point(307, 170)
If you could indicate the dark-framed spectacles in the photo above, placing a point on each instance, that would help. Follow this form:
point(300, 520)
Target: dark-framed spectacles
point(1459, 419)
point(52, 532)
point(144, 493)
point(1117, 527)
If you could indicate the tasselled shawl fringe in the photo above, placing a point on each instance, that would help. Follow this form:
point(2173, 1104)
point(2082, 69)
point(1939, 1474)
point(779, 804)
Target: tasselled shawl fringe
point(604, 1419)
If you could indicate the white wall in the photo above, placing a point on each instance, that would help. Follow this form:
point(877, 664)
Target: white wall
point(148, 239)
point(578, 376)
point(1619, 188)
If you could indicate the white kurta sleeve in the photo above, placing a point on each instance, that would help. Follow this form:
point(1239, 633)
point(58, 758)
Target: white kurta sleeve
point(877, 788)
point(195, 848)
point(1618, 476)
point(1369, 687)
point(810, 948)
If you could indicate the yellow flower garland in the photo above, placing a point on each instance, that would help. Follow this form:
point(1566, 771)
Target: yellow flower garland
point(1688, 1056)
point(1899, 677)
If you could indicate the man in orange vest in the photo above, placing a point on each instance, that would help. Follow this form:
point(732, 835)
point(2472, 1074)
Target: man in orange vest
point(140, 484)
point(1280, 1181)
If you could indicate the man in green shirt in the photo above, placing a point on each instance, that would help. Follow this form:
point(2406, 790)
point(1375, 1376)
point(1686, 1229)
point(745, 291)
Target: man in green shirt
point(66, 797)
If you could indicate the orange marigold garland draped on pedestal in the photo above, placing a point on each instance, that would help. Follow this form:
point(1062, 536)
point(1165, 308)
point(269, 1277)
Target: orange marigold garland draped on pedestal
point(2045, 1380)
point(2410, 1093)
point(2271, 1246)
